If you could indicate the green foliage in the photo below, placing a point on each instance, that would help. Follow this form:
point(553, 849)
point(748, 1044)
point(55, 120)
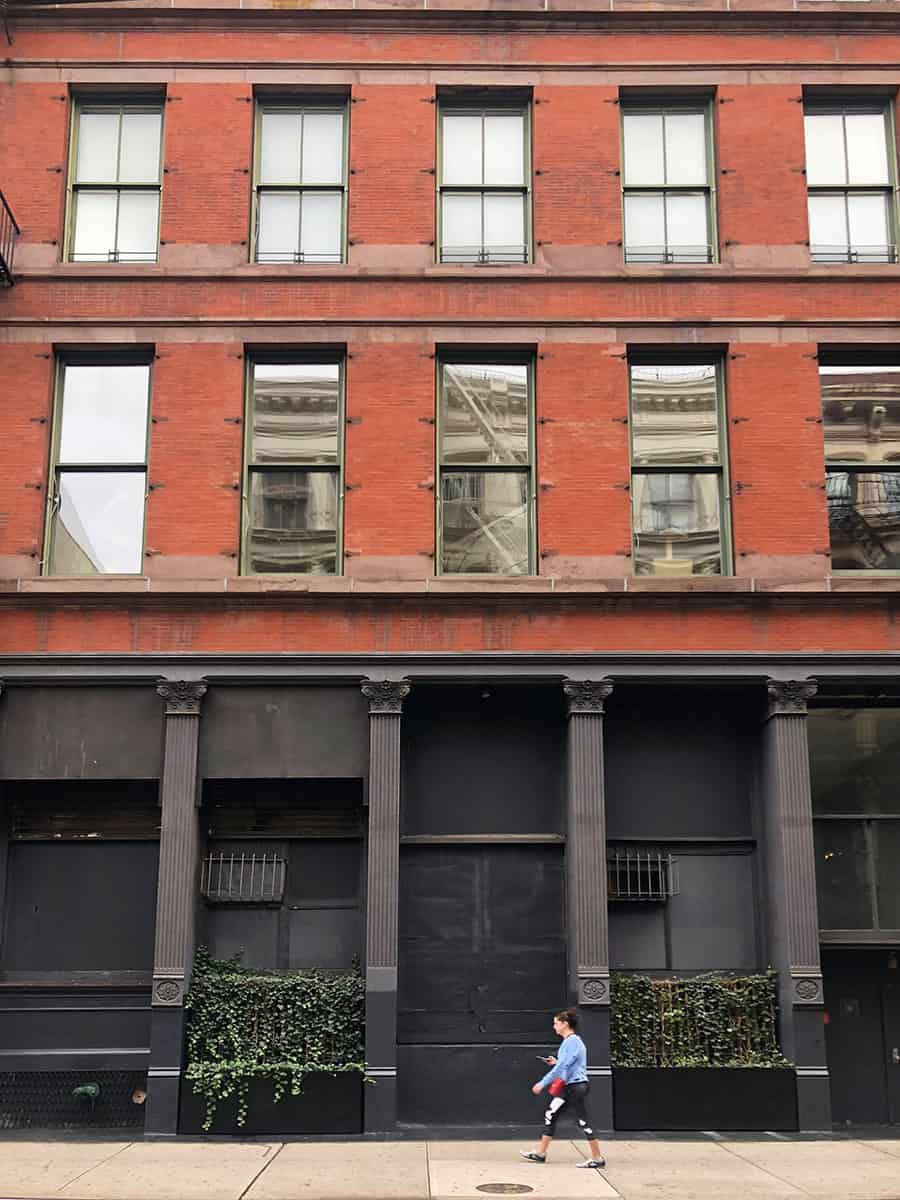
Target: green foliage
point(245, 1024)
point(708, 1021)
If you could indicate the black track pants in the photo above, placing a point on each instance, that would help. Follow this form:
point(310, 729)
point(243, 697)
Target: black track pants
point(574, 1097)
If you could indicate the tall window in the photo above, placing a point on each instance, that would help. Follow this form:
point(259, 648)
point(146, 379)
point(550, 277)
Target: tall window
point(292, 486)
point(668, 184)
point(854, 757)
point(300, 187)
point(99, 478)
point(115, 183)
point(678, 464)
point(485, 176)
point(861, 417)
point(850, 174)
point(486, 455)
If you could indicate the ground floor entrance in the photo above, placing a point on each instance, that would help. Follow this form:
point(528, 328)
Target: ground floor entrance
point(862, 1013)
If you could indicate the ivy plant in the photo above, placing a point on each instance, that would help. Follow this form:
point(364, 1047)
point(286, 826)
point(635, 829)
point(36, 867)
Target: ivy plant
point(708, 1021)
point(244, 1024)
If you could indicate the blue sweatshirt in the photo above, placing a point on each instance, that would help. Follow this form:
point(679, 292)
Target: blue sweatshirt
point(571, 1062)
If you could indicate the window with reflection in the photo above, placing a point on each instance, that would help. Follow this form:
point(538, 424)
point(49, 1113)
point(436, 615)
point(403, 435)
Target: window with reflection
point(850, 172)
point(485, 452)
point(300, 183)
point(115, 182)
point(99, 478)
point(861, 420)
point(667, 180)
point(854, 758)
point(677, 469)
point(292, 487)
point(484, 185)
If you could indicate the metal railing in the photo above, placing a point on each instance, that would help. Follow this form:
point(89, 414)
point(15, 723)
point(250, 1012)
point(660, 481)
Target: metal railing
point(853, 254)
point(668, 254)
point(9, 231)
point(641, 874)
point(484, 254)
point(240, 878)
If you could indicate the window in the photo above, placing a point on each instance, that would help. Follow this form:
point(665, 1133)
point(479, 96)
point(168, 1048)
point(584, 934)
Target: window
point(486, 449)
point(861, 418)
point(485, 174)
point(668, 185)
point(678, 464)
point(293, 484)
point(850, 176)
point(854, 761)
point(300, 183)
point(115, 183)
point(99, 478)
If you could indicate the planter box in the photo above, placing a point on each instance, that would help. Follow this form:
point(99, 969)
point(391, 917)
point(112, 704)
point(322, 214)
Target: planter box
point(728, 1098)
point(328, 1104)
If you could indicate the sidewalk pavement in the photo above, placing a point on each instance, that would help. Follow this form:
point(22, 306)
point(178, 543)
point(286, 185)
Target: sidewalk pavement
point(713, 1167)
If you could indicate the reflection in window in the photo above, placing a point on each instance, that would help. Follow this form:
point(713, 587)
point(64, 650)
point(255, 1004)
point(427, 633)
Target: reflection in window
point(849, 177)
point(861, 419)
point(677, 474)
point(300, 185)
point(293, 468)
point(100, 473)
point(484, 434)
point(484, 186)
point(854, 758)
point(667, 190)
point(116, 183)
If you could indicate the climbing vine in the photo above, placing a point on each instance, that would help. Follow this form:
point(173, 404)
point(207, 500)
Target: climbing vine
point(707, 1021)
point(245, 1024)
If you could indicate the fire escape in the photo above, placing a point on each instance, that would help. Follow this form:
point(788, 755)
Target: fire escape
point(9, 231)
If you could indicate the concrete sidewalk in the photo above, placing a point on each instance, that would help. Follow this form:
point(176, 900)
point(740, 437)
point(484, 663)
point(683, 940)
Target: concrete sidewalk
point(705, 1168)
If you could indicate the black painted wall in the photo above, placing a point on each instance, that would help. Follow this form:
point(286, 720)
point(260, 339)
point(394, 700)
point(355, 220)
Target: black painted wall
point(80, 906)
point(61, 732)
point(284, 732)
point(681, 775)
point(483, 760)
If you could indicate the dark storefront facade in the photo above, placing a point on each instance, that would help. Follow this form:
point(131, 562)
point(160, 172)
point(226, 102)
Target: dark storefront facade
point(465, 829)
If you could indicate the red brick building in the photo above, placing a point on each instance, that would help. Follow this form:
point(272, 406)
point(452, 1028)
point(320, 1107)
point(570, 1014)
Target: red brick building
point(537, 360)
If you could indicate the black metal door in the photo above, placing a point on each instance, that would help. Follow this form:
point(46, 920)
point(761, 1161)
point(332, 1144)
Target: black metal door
point(482, 948)
point(891, 996)
point(862, 1003)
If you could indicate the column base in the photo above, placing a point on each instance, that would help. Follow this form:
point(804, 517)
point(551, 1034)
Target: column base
point(164, 1074)
point(594, 1031)
point(380, 1103)
point(813, 1100)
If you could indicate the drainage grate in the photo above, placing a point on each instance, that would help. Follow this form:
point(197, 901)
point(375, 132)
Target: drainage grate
point(504, 1189)
point(72, 1099)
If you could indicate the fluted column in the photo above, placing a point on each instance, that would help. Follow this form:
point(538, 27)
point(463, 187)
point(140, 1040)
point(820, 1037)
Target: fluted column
point(586, 883)
point(791, 880)
point(385, 707)
point(175, 903)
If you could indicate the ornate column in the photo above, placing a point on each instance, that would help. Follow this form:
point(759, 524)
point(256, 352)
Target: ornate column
point(793, 923)
point(586, 882)
point(385, 707)
point(175, 903)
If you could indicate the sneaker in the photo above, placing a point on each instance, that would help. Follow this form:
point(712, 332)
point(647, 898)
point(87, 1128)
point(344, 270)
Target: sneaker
point(597, 1163)
point(533, 1156)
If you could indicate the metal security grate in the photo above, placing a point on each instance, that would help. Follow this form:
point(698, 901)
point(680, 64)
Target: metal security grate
point(239, 878)
point(641, 874)
point(72, 1099)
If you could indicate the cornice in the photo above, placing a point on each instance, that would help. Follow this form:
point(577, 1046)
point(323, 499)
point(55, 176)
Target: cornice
point(71, 15)
point(533, 593)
